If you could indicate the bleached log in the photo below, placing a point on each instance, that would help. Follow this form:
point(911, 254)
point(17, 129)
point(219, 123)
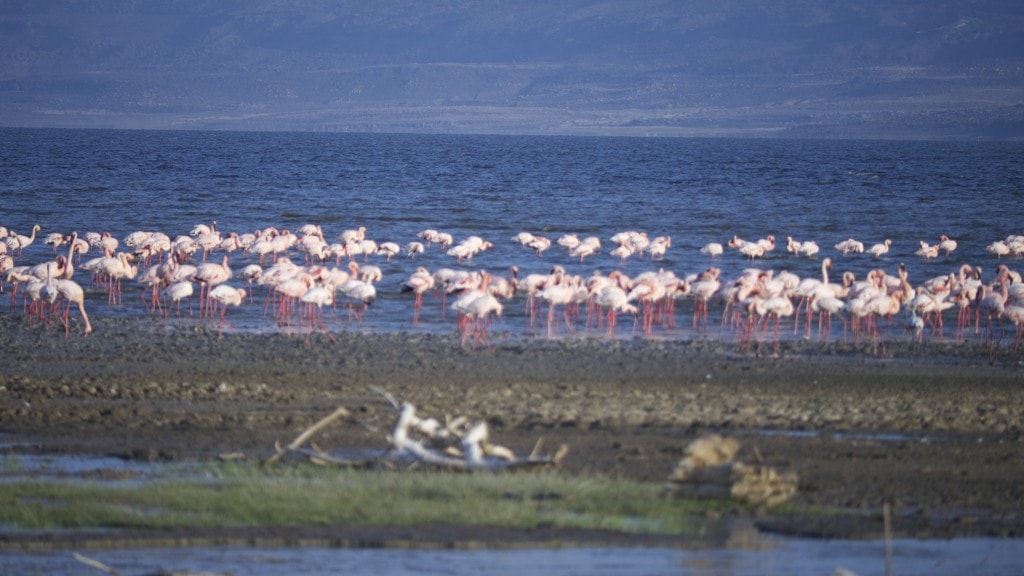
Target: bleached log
point(308, 433)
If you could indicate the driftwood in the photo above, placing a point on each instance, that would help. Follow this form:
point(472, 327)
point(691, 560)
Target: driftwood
point(457, 444)
point(709, 470)
point(301, 439)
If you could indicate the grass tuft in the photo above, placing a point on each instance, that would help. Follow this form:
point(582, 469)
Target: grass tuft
point(244, 494)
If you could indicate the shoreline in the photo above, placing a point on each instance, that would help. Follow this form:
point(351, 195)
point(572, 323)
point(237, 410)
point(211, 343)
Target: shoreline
point(934, 430)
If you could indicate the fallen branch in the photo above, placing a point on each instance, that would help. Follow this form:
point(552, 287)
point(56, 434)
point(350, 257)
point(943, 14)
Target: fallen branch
point(307, 434)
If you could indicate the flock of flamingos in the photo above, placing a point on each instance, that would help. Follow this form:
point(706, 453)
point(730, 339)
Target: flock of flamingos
point(301, 273)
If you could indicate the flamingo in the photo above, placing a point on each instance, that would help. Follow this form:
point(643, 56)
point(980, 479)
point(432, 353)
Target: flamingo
point(647, 291)
point(250, 273)
point(659, 246)
point(568, 241)
point(810, 248)
point(587, 247)
point(712, 249)
point(947, 244)
point(201, 229)
point(289, 291)
point(137, 239)
point(226, 296)
point(318, 297)
point(443, 240)
point(368, 248)
point(112, 270)
point(419, 282)
point(826, 306)
point(359, 291)
point(73, 247)
point(478, 312)
point(176, 292)
point(50, 269)
point(523, 238)
point(6, 263)
point(104, 242)
point(155, 244)
point(73, 293)
point(615, 300)
point(775, 307)
point(261, 247)
point(18, 242)
point(850, 245)
point(353, 235)
point(1015, 314)
point(539, 244)
point(460, 252)
point(504, 288)
point(752, 250)
point(208, 242)
point(622, 252)
point(999, 248)
point(414, 248)
point(879, 250)
point(1011, 275)
point(389, 250)
point(559, 292)
point(55, 240)
point(927, 251)
point(316, 249)
point(78, 246)
point(705, 286)
point(1015, 244)
point(808, 288)
point(208, 275)
point(231, 243)
point(462, 303)
point(992, 304)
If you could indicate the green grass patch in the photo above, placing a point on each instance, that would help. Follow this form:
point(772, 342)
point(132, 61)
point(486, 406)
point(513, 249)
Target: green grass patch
point(242, 494)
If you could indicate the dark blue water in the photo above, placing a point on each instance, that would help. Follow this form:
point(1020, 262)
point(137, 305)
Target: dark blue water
point(748, 555)
point(694, 190)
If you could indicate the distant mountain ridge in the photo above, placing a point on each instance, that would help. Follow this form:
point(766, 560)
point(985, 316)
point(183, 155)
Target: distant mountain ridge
point(916, 69)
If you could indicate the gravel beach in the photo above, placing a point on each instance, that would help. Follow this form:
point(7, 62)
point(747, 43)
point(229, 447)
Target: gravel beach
point(933, 429)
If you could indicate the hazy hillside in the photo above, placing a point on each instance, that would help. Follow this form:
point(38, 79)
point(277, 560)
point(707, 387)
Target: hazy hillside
point(828, 68)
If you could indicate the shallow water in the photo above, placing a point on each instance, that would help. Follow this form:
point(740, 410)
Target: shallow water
point(748, 555)
point(693, 190)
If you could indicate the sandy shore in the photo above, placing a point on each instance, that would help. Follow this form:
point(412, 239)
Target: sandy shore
point(934, 429)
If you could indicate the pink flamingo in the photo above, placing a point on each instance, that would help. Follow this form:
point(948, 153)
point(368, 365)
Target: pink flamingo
point(225, 296)
point(419, 282)
point(73, 293)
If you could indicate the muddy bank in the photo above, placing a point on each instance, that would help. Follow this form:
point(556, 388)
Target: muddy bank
point(933, 429)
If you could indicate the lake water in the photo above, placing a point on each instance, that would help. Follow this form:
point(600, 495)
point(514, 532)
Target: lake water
point(694, 190)
point(766, 555)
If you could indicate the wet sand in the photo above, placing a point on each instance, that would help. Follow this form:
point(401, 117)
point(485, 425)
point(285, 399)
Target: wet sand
point(933, 429)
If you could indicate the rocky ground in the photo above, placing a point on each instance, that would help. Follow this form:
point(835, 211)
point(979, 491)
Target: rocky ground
point(933, 429)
